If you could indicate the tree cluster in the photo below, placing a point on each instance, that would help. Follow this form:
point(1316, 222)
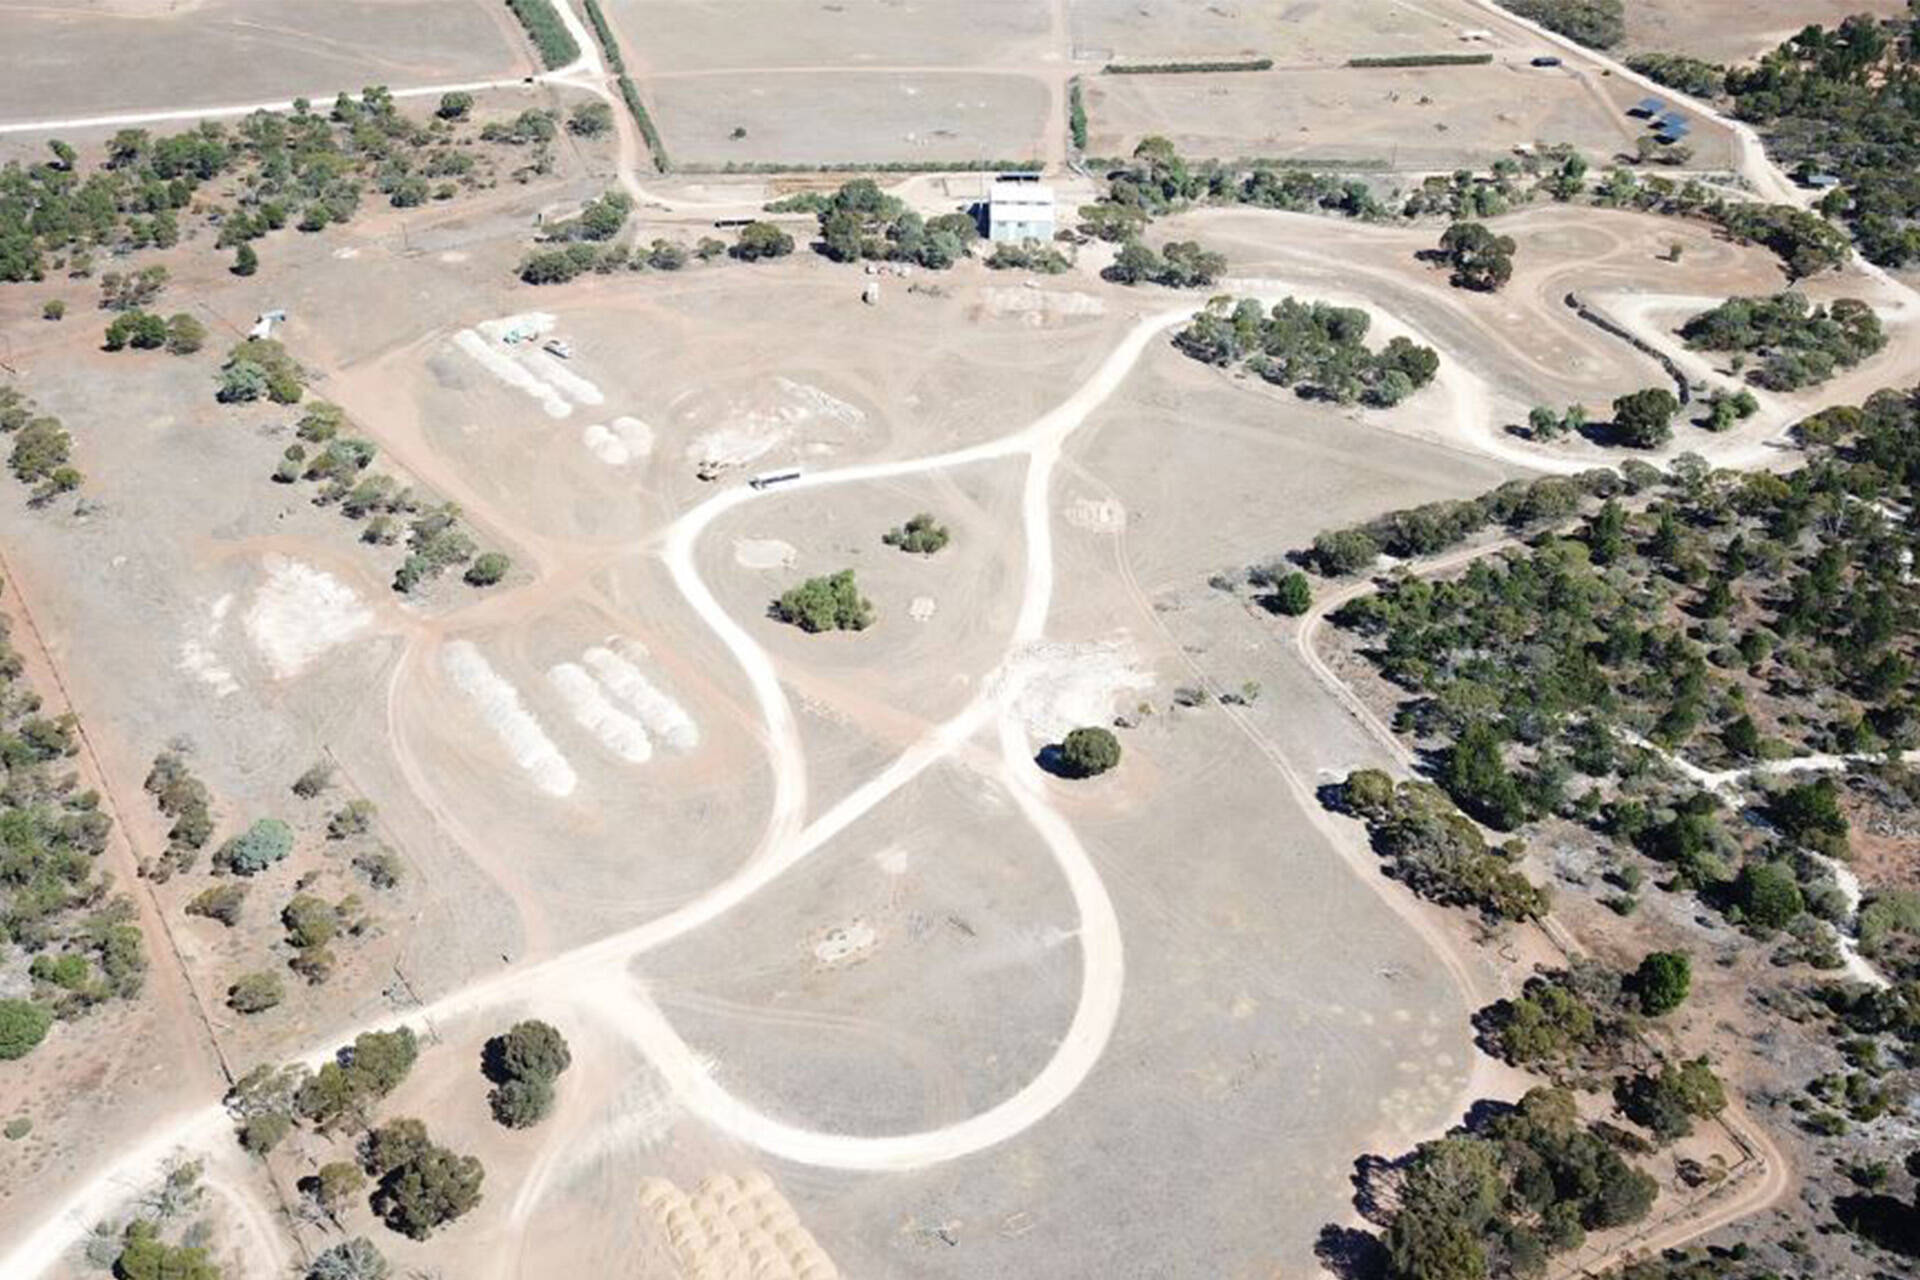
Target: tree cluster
point(1436, 851)
point(1797, 343)
point(1598, 24)
point(1502, 1197)
point(862, 221)
point(1318, 349)
point(523, 1063)
point(42, 450)
point(831, 603)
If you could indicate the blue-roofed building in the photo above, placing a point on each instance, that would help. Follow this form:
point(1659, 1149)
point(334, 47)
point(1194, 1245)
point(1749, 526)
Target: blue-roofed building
point(1648, 107)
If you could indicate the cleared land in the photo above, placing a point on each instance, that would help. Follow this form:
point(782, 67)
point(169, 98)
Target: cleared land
point(146, 54)
point(1432, 118)
point(1736, 30)
point(833, 117)
point(667, 36)
point(1294, 32)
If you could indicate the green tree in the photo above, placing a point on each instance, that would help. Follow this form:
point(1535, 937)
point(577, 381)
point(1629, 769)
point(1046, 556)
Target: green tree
point(185, 335)
point(531, 1049)
point(23, 1025)
point(521, 1104)
point(831, 603)
point(335, 1186)
point(264, 843)
point(1644, 419)
point(922, 535)
point(245, 260)
point(1768, 895)
point(256, 992)
point(1480, 259)
point(1663, 980)
point(1088, 752)
point(355, 1259)
point(423, 1186)
point(762, 240)
point(454, 106)
point(1809, 814)
point(487, 568)
point(144, 1256)
point(1293, 594)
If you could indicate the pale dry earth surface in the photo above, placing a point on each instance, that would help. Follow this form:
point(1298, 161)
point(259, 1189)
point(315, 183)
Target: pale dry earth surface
point(851, 984)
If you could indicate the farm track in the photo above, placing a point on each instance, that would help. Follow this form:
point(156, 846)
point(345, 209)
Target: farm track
point(594, 977)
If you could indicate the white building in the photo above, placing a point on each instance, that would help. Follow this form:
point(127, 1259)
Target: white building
point(1019, 208)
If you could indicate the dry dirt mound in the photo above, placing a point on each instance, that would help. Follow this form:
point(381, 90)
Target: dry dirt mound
point(735, 1229)
point(299, 613)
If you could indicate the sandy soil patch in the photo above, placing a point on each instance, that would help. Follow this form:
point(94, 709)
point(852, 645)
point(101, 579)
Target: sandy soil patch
point(198, 658)
point(1097, 515)
point(698, 35)
point(922, 609)
point(846, 942)
point(299, 613)
point(779, 412)
point(1063, 685)
point(618, 442)
point(498, 703)
point(1037, 306)
point(764, 553)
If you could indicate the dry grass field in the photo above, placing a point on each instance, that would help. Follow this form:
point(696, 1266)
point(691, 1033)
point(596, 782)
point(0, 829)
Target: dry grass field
point(67, 60)
point(669, 36)
point(1736, 30)
point(853, 985)
point(834, 117)
point(1407, 119)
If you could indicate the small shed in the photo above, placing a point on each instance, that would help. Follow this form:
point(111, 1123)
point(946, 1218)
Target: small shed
point(1647, 108)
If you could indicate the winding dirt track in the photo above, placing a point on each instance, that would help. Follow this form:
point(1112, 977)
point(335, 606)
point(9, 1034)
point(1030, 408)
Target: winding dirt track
point(595, 977)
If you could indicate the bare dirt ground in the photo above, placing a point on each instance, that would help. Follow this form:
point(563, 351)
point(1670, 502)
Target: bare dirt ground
point(1294, 32)
point(1425, 118)
point(671, 36)
point(804, 905)
point(1736, 30)
point(93, 58)
point(835, 117)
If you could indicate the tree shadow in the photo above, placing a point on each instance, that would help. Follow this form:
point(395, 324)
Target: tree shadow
point(493, 1060)
point(1892, 1224)
point(1351, 1254)
point(1052, 759)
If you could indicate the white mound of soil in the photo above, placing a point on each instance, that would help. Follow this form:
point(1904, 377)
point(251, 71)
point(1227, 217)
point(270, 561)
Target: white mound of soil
point(498, 703)
point(665, 718)
point(299, 613)
point(618, 442)
point(618, 732)
point(524, 366)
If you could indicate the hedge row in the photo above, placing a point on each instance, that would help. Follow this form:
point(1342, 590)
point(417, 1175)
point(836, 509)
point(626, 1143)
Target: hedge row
point(1186, 68)
point(1426, 60)
point(550, 35)
point(645, 121)
point(608, 44)
point(860, 166)
point(1076, 115)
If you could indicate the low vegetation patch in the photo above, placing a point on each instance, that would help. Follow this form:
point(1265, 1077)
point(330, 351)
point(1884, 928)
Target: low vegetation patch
point(922, 535)
point(1425, 60)
point(42, 452)
point(1318, 349)
point(523, 1064)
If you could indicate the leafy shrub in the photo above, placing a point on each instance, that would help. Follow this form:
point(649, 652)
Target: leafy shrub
point(921, 535)
point(266, 842)
point(23, 1025)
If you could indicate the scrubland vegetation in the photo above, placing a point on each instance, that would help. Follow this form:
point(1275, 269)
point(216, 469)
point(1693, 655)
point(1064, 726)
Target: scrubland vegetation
point(68, 942)
point(1316, 348)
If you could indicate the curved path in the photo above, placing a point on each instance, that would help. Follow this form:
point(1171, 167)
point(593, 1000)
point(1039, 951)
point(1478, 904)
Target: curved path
point(594, 977)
